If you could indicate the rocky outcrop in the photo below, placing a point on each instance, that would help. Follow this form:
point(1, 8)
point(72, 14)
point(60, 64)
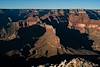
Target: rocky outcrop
point(48, 45)
point(94, 34)
point(75, 62)
point(32, 20)
point(9, 32)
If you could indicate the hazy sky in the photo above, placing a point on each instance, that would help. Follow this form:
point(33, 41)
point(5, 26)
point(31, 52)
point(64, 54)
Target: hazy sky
point(49, 4)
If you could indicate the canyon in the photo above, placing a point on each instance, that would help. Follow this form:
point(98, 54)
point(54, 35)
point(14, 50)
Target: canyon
point(36, 33)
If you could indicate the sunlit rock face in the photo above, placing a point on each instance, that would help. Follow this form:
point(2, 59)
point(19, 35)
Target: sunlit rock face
point(77, 62)
point(32, 21)
point(48, 44)
point(94, 34)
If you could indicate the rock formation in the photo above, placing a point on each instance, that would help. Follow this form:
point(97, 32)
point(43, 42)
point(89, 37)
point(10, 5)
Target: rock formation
point(46, 33)
point(75, 62)
point(47, 45)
